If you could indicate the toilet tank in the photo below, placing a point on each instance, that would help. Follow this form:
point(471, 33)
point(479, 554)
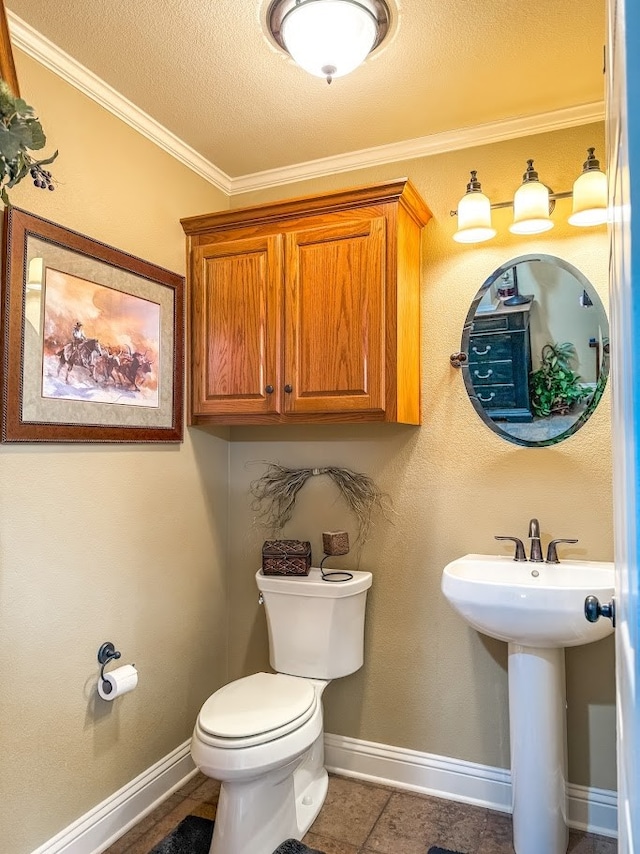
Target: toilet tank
point(316, 627)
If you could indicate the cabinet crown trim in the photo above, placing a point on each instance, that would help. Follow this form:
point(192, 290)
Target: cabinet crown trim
point(400, 190)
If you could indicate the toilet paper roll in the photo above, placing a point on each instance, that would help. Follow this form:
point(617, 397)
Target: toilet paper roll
point(118, 682)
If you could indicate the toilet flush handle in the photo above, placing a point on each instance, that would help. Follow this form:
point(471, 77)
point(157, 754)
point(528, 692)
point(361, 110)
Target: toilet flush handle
point(260, 599)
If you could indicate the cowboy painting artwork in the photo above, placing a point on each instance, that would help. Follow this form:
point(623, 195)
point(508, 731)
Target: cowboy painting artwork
point(100, 344)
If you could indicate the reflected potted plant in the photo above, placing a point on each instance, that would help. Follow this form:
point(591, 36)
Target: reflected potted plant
point(555, 388)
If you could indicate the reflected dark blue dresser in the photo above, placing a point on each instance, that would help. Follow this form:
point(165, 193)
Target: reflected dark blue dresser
point(500, 362)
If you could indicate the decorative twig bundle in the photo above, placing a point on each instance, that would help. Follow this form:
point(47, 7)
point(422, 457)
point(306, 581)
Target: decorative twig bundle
point(275, 493)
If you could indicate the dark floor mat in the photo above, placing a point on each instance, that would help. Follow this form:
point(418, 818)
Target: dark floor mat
point(193, 836)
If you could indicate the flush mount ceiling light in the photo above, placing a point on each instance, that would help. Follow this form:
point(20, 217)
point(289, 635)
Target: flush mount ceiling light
point(533, 203)
point(328, 38)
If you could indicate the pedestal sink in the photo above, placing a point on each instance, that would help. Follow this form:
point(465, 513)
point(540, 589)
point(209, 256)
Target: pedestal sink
point(538, 609)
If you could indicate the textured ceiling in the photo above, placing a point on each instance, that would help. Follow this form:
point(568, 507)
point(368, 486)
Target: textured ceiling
point(205, 70)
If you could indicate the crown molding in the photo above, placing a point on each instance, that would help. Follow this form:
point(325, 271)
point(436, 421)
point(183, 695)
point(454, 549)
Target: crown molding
point(425, 146)
point(35, 45)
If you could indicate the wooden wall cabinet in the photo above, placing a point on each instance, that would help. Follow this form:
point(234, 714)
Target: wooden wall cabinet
point(307, 310)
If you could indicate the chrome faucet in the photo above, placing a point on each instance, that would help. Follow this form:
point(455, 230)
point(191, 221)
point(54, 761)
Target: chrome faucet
point(534, 536)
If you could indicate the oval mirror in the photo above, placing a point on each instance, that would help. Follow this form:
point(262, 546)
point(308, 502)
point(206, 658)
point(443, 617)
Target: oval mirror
point(536, 340)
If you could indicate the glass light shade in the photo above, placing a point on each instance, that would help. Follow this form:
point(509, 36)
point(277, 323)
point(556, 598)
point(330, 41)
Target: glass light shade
point(329, 38)
point(531, 209)
point(474, 219)
point(36, 274)
point(590, 199)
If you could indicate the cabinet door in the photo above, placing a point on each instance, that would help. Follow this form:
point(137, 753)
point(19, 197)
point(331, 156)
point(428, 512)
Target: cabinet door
point(335, 318)
point(236, 327)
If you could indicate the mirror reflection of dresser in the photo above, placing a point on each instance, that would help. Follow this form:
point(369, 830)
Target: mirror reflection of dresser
point(531, 306)
point(499, 358)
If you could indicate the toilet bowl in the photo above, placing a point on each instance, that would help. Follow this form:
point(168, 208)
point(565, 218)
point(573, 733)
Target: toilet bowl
point(273, 782)
point(262, 736)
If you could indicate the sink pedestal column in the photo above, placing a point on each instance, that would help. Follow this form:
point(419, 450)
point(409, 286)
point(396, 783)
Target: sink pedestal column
point(537, 725)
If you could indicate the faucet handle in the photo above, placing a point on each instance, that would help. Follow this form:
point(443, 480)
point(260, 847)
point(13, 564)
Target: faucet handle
point(520, 553)
point(552, 553)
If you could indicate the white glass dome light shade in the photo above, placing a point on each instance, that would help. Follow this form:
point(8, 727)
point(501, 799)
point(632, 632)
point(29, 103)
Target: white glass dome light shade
point(329, 38)
point(474, 215)
point(36, 274)
point(531, 205)
point(590, 194)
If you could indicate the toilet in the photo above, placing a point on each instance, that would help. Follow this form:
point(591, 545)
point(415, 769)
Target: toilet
point(262, 735)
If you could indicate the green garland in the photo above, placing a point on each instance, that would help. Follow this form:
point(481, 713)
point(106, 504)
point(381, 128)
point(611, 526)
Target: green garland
point(20, 133)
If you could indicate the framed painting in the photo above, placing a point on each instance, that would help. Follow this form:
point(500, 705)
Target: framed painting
point(92, 340)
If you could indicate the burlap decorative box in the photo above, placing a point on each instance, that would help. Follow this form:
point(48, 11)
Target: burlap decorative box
point(286, 557)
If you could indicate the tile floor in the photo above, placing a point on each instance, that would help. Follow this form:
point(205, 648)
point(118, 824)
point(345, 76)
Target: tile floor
point(363, 818)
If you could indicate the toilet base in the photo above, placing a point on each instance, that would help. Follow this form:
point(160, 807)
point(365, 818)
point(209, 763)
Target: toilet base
point(257, 815)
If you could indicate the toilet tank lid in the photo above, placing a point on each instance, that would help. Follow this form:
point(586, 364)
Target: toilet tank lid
point(256, 704)
point(313, 585)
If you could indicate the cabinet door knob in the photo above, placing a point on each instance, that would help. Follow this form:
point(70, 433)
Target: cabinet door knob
point(269, 389)
point(288, 388)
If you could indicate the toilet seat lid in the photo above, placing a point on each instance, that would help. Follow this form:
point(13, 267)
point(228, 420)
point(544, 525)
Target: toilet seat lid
point(256, 704)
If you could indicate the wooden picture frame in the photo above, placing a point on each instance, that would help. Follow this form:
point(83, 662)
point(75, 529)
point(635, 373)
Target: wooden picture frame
point(92, 340)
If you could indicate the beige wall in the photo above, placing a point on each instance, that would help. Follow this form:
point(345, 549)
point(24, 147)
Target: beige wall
point(99, 543)
point(429, 682)
point(129, 543)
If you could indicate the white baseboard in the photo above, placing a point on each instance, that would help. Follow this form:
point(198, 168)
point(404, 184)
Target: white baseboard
point(590, 809)
point(594, 810)
point(95, 831)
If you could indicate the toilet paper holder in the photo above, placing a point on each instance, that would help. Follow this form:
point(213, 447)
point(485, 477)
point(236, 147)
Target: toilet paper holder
point(106, 654)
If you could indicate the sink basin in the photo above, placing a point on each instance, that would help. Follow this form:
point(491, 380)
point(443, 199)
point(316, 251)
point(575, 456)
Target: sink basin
point(533, 604)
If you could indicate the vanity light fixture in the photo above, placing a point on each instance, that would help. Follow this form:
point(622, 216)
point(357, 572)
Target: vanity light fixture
point(474, 214)
point(533, 203)
point(35, 274)
point(328, 38)
point(590, 194)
